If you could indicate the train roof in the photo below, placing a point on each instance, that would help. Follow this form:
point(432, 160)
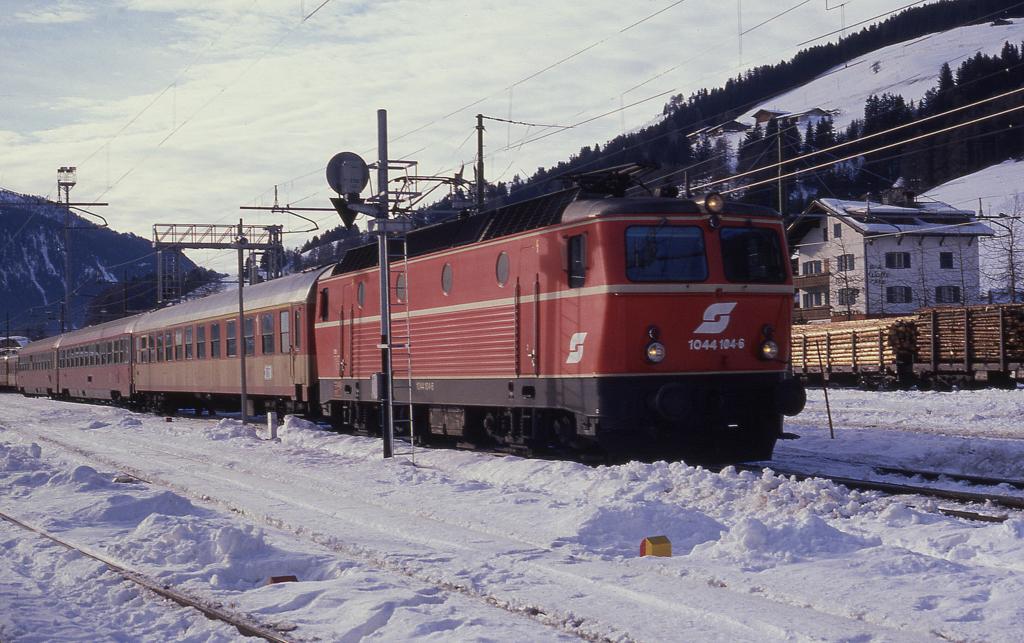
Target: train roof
point(564, 206)
point(291, 289)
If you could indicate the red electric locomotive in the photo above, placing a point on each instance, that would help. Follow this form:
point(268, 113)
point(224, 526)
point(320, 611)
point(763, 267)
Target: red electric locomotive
point(646, 327)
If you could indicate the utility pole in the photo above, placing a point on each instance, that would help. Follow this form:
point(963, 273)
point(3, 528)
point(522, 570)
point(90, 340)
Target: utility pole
point(480, 162)
point(241, 241)
point(66, 179)
point(386, 409)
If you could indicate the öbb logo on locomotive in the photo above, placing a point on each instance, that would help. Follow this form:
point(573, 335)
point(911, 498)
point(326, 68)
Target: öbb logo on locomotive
point(716, 318)
point(576, 348)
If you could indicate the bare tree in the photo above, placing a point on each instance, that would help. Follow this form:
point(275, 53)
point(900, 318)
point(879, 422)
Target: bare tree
point(1004, 263)
point(849, 280)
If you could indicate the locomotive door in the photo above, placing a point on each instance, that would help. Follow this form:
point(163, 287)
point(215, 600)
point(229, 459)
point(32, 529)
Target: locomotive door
point(345, 355)
point(528, 319)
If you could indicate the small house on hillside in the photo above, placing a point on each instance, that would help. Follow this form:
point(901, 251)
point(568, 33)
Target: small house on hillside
point(857, 259)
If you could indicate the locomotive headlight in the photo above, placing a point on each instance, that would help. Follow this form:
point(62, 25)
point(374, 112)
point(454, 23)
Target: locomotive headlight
point(655, 352)
point(768, 350)
point(714, 202)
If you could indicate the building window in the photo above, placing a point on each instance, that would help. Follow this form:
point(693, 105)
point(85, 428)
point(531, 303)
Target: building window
point(201, 342)
point(947, 294)
point(250, 336)
point(231, 338)
point(848, 296)
point(812, 268)
point(898, 294)
point(214, 341)
point(897, 260)
point(837, 230)
point(188, 343)
point(945, 260)
point(815, 298)
point(824, 232)
point(846, 263)
point(285, 332)
point(267, 333)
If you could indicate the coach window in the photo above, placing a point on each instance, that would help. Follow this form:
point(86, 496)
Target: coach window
point(267, 333)
point(360, 297)
point(178, 345)
point(250, 336)
point(665, 253)
point(501, 269)
point(577, 258)
point(285, 332)
point(324, 302)
point(298, 330)
point(188, 342)
point(201, 341)
point(159, 347)
point(168, 347)
point(232, 338)
point(214, 341)
point(446, 279)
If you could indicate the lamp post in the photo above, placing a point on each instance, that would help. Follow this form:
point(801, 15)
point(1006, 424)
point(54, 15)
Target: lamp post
point(66, 179)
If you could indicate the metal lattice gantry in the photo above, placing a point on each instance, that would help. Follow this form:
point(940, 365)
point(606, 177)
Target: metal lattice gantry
point(169, 239)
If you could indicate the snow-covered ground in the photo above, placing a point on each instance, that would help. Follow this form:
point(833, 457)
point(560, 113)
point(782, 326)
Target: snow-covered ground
point(453, 545)
point(908, 68)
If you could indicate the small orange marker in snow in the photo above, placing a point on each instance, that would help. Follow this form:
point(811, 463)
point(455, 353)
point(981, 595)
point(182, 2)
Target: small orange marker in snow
point(656, 546)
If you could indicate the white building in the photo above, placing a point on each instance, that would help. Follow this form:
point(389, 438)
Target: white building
point(857, 259)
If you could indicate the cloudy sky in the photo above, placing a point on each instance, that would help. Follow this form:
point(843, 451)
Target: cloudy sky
point(183, 110)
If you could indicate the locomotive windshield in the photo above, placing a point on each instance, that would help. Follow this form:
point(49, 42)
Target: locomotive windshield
point(752, 255)
point(665, 253)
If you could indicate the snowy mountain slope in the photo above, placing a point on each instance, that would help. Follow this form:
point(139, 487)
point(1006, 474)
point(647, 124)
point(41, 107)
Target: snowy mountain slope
point(910, 69)
point(996, 186)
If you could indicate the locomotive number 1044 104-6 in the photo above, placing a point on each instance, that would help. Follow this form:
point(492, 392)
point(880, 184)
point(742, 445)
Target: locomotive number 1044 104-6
point(716, 344)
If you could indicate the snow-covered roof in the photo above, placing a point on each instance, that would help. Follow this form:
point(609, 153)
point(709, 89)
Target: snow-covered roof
point(871, 218)
point(290, 289)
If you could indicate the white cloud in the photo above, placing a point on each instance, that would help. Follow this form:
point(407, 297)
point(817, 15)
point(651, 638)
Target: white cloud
point(61, 12)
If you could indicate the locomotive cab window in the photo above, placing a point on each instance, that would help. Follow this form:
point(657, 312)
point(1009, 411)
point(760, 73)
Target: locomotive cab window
point(752, 255)
point(577, 260)
point(665, 253)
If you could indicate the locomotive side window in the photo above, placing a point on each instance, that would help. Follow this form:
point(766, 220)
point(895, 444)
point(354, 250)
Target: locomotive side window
point(665, 253)
point(232, 338)
point(577, 261)
point(752, 255)
point(360, 297)
point(267, 333)
point(214, 340)
point(324, 310)
point(285, 332)
point(501, 269)
point(400, 288)
point(298, 330)
point(446, 279)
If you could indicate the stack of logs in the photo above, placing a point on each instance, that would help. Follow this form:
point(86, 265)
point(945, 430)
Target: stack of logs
point(972, 334)
point(871, 344)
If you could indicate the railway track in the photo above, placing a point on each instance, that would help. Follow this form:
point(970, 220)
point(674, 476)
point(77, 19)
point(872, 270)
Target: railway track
point(245, 626)
point(894, 488)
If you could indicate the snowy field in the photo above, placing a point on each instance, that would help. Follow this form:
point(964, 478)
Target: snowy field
point(463, 546)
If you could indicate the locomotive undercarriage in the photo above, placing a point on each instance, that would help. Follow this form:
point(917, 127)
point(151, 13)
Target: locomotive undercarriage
point(708, 418)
